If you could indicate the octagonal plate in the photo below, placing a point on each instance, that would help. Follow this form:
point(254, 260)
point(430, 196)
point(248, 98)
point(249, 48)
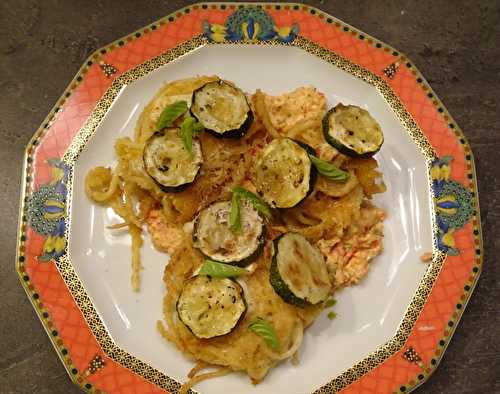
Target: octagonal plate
point(392, 329)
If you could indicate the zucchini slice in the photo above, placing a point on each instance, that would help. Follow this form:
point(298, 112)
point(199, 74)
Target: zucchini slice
point(283, 174)
point(353, 131)
point(166, 160)
point(298, 271)
point(222, 109)
point(213, 236)
point(211, 307)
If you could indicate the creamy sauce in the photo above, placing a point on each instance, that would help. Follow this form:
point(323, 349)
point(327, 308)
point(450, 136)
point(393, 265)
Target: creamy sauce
point(289, 109)
point(348, 257)
point(165, 237)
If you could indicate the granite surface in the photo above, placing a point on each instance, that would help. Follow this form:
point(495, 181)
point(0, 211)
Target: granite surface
point(456, 45)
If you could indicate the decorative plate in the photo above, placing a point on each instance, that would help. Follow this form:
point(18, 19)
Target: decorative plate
point(392, 329)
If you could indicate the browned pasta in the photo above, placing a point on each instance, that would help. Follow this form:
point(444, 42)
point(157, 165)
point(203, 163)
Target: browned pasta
point(135, 233)
point(199, 378)
point(117, 226)
point(101, 185)
point(333, 213)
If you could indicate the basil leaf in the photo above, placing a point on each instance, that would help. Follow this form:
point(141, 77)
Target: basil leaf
point(266, 331)
point(331, 315)
point(328, 170)
point(171, 113)
point(259, 204)
point(220, 270)
point(234, 215)
point(187, 133)
point(197, 127)
point(329, 303)
point(189, 127)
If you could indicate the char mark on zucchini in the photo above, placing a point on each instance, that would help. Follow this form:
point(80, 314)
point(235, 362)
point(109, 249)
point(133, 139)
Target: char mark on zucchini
point(222, 109)
point(167, 161)
point(211, 307)
point(352, 131)
point(283, 174)
point(298, 272)
point(213, 235)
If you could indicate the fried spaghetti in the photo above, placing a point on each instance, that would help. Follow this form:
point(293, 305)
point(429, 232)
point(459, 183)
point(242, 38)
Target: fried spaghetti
point(338, 218)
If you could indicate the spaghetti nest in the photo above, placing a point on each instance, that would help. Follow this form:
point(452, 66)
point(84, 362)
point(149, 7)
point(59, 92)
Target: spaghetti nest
point(333, 216)
point(242, 349)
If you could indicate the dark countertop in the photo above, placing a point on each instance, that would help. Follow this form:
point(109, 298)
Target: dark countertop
point(454, 44)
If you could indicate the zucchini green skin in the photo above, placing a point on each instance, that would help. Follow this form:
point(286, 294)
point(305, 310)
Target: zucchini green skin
point(278, 284)
point(168, 189)
point(298, 271)
point(308, 148)
point(234, 133)
point(312, 177)
point(250, 259)
point(312, 181)
point(339, 145)
point(247, 260)
point(238, 286)
point(240, 263)
point(174, 189)
point(314, 172)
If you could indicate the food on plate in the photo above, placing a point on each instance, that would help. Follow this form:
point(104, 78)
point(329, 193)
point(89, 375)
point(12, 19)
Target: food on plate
point(211, 307)
point(426, 257)
point(222, 108)
point(213, 235)
point(168, 163)
point(298, 271)
point(262, 228)
point(353, 131)
point(282, 173)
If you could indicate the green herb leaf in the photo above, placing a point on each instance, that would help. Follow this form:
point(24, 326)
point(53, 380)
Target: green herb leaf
point(171, 113)
point(234, 215)
point(197, 127)
point(259, 204)
point(266, 331)
point(220, 270)
point(189, 127)
point(328, 170)
point(187, 133)
point(329, 303)
point(331, 315)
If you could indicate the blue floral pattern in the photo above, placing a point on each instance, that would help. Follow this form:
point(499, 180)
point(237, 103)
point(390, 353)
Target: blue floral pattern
point(249, 24)
point(453, 203)
point(46, 211)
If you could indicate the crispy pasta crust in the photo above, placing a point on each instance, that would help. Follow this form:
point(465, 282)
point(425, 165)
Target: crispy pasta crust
point(333, 217)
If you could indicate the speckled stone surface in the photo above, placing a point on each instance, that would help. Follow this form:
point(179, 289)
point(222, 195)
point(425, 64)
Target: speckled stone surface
point(455, 44)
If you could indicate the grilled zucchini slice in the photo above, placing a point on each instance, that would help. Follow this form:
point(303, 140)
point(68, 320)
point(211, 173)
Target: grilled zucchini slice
point(213, 236)
point(298, 271)
point(166, 160)
point(222, 109)
point(283, 174)
point(352, 131)
point(211, 307)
